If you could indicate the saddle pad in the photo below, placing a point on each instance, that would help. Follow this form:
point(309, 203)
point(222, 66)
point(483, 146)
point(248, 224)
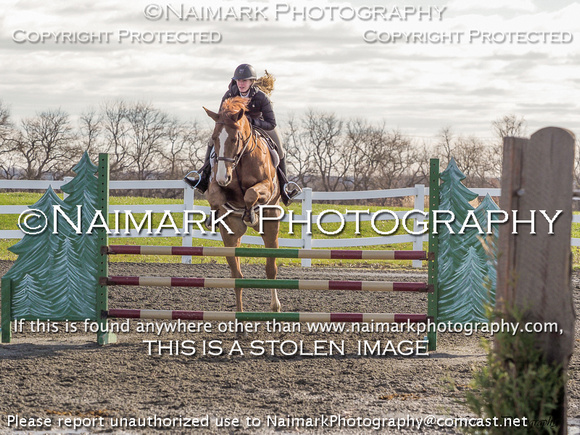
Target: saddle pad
point(275, 157)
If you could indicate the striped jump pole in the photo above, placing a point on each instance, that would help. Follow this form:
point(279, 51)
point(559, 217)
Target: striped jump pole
point(297, 284)
point(322, 254)
point(224, 316)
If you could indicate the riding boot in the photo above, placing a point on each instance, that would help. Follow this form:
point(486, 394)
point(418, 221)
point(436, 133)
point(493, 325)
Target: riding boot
point(204, 174)
point(288, 190)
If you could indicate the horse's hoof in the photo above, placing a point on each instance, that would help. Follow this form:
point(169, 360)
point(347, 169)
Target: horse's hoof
point(250, 219)
point(208, 223)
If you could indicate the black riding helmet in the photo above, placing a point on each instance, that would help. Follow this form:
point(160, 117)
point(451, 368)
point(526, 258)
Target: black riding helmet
point(245, 72)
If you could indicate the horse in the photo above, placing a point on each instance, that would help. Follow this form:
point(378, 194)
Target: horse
point(242, 179)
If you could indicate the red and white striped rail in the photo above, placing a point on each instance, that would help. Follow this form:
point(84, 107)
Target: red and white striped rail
point(322, 254)
point(225, 316)
point(297, 284)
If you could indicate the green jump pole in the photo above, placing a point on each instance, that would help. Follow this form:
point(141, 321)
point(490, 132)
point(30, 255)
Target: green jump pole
point(433, 298)
point(102, 299)
point(6, 310)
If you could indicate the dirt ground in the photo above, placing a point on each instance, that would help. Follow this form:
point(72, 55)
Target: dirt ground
point(67, 376)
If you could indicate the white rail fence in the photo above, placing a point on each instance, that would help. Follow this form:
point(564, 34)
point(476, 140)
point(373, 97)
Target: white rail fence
point(307, 197)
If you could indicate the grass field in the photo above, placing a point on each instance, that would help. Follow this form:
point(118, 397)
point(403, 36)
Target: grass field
point(9, 222)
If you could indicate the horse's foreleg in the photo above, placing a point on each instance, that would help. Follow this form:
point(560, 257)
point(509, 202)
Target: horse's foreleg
point(275, 305)
point(270, 238)
point(236, 272)
point(216, 198)
point(233, 240)
point(259, 193)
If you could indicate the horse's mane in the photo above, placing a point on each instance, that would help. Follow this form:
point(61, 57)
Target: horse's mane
point(231, 106)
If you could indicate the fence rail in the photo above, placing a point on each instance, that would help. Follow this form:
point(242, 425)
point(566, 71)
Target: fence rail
point(307, 197)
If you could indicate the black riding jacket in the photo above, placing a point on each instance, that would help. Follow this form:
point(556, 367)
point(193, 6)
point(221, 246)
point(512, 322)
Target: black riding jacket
point(260, 111)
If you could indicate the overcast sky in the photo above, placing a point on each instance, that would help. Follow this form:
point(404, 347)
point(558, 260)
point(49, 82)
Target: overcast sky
point(321, 63)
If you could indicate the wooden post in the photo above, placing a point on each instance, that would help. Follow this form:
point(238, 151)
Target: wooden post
point(534, 269)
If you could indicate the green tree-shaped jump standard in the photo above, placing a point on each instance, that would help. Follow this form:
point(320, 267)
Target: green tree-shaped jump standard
point(55, 274)
point(82, 191)
point(465, 271)
point(488, 246)
point(33, 270)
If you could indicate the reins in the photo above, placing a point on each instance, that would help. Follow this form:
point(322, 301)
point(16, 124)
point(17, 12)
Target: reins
point(235, 160)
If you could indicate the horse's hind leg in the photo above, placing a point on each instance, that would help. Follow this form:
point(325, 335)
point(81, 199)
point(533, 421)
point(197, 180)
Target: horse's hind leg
point(270, 238)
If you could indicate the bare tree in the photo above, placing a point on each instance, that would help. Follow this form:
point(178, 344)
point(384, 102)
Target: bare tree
point(473, 156)
point(196, 150)
point(331, 159)
point(184, 146)
point(5, 122)
point(477, 162)
point(46, 145)
point(351, 155)
point(445, 147)
point(148, 129)
point(509, 125)
point(506, 126)
point(399, 157)
point(117, 145)
point(8, 163)
point(298, 153)
point(365, 143)
point(90, 128)
point(424, 153)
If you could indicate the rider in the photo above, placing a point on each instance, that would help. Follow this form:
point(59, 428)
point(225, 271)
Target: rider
point(261, 115)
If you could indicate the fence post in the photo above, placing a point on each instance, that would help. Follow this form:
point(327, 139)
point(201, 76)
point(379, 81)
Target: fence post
point(306, 238)
point(188, 201)
point(418, 205)
point(534, 268)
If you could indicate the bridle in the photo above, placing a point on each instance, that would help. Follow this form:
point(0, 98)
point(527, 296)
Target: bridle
point(235, 160)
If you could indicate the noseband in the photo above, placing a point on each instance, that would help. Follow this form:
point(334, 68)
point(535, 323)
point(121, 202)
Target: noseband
point(234, 161)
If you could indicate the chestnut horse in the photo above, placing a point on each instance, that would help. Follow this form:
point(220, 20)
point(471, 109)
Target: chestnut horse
point(243, 178)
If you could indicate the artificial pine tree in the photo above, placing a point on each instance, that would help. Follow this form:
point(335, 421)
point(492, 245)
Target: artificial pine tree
point(467, 285)
point(454, 197)
point(36, 262)
point(55, 274)
point(466, 271)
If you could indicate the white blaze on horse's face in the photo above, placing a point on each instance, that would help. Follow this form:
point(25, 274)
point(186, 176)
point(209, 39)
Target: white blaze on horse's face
point(222, 177)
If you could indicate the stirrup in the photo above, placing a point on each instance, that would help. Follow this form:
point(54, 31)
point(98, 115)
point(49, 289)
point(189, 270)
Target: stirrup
point(191, 182)
point(292, 191)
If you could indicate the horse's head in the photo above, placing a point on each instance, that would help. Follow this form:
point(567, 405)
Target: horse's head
point(230, 136)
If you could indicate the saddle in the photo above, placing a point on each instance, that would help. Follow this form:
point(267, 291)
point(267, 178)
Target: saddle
point(272, 146)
